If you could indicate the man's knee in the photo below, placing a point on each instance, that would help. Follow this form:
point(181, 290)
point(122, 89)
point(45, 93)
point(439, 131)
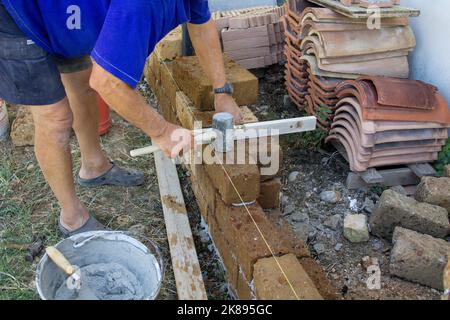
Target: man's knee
point(54, 122)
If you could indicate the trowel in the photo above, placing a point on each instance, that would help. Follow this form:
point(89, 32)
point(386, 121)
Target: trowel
point(82, 290)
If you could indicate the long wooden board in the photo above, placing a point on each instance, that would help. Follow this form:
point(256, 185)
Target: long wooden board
point(188, 276)
point(356, 11)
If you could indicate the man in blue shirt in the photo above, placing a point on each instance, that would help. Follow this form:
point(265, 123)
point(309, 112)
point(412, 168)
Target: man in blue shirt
point(46, 48)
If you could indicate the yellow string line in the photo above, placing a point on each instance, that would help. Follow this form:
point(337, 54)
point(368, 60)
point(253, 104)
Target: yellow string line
point(234, 186)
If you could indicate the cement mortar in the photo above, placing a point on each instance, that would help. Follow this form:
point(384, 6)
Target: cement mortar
point(108, 281)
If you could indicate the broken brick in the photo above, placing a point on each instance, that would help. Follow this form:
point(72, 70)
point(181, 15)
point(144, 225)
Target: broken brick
point(434, 191)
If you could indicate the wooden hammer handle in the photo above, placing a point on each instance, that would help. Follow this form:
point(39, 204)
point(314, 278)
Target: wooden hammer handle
point(61, 261)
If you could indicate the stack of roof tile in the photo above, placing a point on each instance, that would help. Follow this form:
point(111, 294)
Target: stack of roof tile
point(253, 38)
point(323, 48)
point(381, 121)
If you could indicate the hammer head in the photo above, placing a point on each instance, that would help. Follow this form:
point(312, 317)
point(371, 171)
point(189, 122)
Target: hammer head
point(223, 126)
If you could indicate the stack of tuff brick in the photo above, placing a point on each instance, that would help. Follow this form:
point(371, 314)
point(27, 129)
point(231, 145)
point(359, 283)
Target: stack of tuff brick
point(254, 39)
point(324, 47)
point(381, 121)
point(251, 270)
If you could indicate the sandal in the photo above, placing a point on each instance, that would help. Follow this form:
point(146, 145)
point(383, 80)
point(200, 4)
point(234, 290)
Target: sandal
point(91, 225)
point(116, 176)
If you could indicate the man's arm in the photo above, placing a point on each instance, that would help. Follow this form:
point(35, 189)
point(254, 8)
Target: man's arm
point(205, 40)
point(129, 104)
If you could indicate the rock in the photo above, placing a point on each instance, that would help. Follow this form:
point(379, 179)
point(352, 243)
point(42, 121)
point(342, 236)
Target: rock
point(368, 205)
point(333, 222)
point(419, 258)
point(338, 246)
point(446, 171)
point(399, 189)
point(302, 231)
point(293, 176)
point(395, 209)
point(355, 228)
point(300, 217)
point(367, 261)
point(138, 230)
point(30, 167)
point(330, 196)
point(288, 209)
point(22, 129)
point(319, 248)
point(434, 191)
point(353, 204)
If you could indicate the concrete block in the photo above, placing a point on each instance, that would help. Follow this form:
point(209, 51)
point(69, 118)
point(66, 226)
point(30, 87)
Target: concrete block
point(419, 258)
point(239, 229)
point(170, 46)
point(395, 209)
point(235, 182)
point(195, 84)
point(293, 283)
point(355, 228)
point(434, 191)
point(269, 196)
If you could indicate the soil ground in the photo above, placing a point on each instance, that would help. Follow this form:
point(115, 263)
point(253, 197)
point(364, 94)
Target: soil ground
point(29, 211)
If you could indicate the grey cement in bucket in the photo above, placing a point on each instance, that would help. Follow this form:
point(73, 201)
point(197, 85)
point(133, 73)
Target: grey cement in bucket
point(114, 265)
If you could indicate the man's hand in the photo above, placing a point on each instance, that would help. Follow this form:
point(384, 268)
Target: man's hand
point(226, 103)
point(174, 139)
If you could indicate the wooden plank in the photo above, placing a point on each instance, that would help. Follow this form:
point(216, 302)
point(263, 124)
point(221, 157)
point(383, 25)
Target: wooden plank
point(188, 276)
point(423, 170)
point(356, 11)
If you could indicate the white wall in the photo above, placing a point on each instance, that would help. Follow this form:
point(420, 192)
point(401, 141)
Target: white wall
point(215, 5)
point(430, 61)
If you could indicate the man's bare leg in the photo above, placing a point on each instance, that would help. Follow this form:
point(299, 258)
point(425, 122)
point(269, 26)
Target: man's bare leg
point(53, 126)
point(83, 102)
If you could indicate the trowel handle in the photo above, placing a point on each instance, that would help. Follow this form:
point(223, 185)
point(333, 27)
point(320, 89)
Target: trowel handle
point(144, 151)
point(61, 261)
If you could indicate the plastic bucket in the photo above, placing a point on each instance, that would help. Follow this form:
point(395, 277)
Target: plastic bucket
point(4, 121)
point(144, 261)
point(103, 116)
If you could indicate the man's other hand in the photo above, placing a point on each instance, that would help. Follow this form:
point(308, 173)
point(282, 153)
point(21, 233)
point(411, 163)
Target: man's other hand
point(174, 139)
point(226, 103)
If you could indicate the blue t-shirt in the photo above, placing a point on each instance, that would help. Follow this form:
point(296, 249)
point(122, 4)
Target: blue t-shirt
point(118, 34)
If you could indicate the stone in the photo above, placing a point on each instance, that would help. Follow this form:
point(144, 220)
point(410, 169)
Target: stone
point(338, 246)
point(170, 46)
point(330, 196)
point(395, 209)
point(446, 171)
point(195, 84)
point(418, 257)
point(333, 222)
point(288, 209)
point(319, 248)
point(293, 176)
point(271, 284)
point(22, 129)
point(368, 205)
point(269, 196)
point(244, 238)
point(399, 189)
point(244, 184)
point(434, 191)
point(355, 228)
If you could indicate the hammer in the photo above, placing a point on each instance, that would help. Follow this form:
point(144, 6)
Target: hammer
point(221, 135)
